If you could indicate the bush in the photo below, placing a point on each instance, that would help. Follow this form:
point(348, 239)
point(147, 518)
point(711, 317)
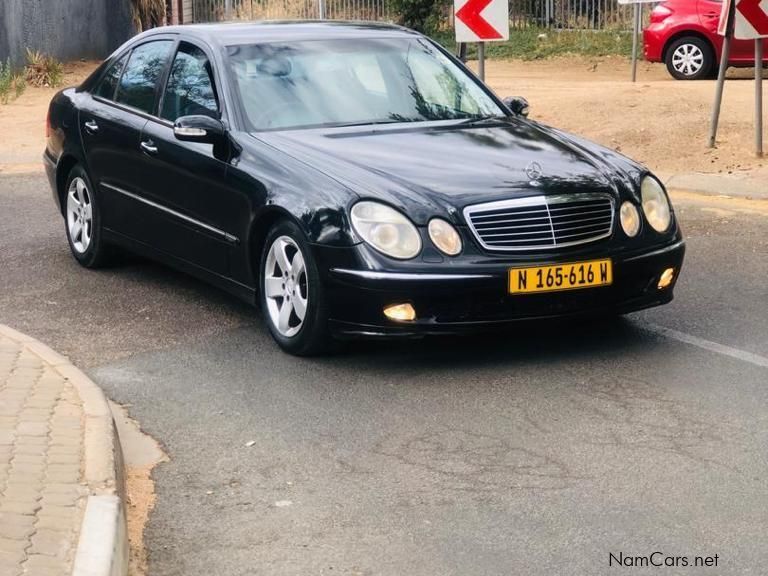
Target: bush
point(43, 70)
point(11, 83)
point(424, 16)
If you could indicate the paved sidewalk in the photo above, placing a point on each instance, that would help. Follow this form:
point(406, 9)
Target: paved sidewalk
point(745, 184)
point(42, 494)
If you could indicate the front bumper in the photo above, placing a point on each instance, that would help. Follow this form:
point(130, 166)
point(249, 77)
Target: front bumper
point(465, 300)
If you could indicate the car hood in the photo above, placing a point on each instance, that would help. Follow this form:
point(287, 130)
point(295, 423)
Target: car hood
point(440, 168)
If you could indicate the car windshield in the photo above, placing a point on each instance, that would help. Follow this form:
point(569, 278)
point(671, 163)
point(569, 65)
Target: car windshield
point(322, 83)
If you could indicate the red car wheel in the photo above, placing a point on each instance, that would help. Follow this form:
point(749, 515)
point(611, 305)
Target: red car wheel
point(690, 58)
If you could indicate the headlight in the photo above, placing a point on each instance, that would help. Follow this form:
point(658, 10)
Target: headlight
point(444, 236)
point(386, 229)
point(655, 204)
point(630, 219)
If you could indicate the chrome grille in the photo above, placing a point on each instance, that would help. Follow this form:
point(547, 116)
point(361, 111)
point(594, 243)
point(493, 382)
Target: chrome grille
point(541, 222)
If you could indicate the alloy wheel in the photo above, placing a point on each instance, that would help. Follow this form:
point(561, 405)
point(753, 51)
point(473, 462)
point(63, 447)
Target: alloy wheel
point(79, 215)
point(688, 59)
point(285, 286)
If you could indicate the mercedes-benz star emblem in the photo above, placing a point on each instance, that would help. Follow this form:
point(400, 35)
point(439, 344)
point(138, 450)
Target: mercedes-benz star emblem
point(534, 170)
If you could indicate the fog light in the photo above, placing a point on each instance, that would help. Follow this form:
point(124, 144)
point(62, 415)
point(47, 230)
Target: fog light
point(400, 312)
point(666, 278)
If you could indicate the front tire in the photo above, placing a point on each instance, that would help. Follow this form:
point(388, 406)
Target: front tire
point(82, 220)
point(690, 58)
point(292, 294)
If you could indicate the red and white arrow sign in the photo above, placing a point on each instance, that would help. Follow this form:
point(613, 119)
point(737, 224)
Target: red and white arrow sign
point(482, 20)
point(750, 19)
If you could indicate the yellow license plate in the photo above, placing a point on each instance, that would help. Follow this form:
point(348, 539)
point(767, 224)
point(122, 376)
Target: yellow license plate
point(561, 277)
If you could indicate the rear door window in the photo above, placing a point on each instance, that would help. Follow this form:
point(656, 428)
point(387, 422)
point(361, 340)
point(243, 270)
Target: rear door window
point(139, 80)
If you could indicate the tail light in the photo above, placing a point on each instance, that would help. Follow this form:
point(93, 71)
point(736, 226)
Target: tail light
point(660, 13)
point(48, 124)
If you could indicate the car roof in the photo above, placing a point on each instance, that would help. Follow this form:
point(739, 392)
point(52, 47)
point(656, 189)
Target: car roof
point(232, 33)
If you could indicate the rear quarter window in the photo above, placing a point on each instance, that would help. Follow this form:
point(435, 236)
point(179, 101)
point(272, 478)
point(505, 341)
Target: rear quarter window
point(106, 88)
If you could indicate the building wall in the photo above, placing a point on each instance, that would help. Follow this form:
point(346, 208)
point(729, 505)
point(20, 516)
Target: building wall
point(66, 29)
point(187, 11)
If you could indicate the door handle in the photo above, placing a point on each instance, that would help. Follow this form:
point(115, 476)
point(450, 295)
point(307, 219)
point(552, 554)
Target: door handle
point(149, 147)
point(91, 127)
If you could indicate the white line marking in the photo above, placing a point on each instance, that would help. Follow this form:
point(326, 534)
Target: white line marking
point(742, 355)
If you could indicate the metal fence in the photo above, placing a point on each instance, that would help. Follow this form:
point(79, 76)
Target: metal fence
point(561, 14)
point(570, 14)
point(216, 10)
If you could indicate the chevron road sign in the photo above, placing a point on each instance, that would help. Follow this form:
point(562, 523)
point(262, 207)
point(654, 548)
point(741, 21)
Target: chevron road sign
point(481, 20)
point(750, 19)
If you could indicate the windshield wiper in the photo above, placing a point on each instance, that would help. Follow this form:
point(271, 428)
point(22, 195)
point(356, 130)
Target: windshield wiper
point(461, 121)
point(481, 119)
point(368, 123)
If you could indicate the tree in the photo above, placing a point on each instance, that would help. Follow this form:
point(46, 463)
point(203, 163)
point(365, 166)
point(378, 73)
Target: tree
point(148, 13)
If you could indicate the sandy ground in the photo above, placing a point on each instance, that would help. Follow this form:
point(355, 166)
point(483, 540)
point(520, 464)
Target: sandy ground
point(658, 121)
point(141, 454)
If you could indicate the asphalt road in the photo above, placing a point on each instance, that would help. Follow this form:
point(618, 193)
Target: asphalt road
point(538, 453)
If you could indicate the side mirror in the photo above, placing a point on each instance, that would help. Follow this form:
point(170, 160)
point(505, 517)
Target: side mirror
point(517, 105)
point(199, 129)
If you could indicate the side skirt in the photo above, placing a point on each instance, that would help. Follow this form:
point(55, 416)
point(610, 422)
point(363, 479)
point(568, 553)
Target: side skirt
point(243, 292)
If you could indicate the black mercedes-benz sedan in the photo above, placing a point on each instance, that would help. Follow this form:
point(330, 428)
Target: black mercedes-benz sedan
point(352, 180)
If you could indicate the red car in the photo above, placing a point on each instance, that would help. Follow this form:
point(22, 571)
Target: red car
point(683, 35)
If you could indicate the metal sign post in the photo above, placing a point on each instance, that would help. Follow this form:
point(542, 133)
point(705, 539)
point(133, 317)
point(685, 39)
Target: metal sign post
point(481, 60)
point(637, 16)
point(481, 21)
point(759, 97)
point(745, 20)
point(635, 34)
point(727, 26)
point(321, 9)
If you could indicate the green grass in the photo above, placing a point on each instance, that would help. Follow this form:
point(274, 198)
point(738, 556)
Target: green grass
point(12, 84)
point(526, 44)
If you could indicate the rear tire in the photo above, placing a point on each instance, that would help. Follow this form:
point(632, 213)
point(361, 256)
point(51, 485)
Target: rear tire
point(82, 221)
point(690, 58)
point(293, 300)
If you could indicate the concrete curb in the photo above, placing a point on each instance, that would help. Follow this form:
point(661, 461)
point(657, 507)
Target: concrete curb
point(750, 185)
point(102, 548)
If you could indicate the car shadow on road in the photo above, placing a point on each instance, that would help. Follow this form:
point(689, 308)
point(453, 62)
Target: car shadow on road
point(173, 296)
point(524, 343)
